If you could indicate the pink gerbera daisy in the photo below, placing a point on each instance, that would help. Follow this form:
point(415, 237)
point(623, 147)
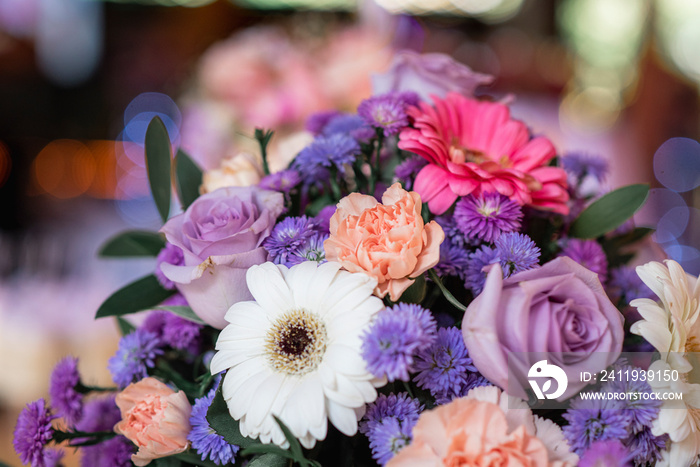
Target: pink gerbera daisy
point(474, 147)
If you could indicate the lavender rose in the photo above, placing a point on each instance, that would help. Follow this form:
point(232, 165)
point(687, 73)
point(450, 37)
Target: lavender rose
point(220, 236)
point(428, 74)
point(558, 312)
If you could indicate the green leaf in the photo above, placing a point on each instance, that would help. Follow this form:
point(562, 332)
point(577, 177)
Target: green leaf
point(415, 293)
point(268, 460)
point(267, 449)
point(221, 421)
point(183, 312)
point(609, 212)
point(188, 178)
point(263, 136)
point(294, 445)
point(125, 327)
point(133, 243)
point(142, 294)
point(158, 157)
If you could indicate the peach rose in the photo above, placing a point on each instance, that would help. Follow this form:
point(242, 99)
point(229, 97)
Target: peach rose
point(386, 241)
point(473, 433)
point(155, 418)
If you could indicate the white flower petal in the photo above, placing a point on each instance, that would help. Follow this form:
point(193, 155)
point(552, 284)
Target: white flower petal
point(345, 360)
point(343, 418)
point(265, 398)
point(269, 288)
point(347, 393)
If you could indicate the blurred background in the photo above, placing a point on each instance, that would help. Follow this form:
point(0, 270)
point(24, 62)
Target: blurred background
point(81, 79)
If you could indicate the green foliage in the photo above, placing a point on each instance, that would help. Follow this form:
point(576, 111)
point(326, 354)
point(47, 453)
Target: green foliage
point(188, 178)
point(158, 157)
point(609, 212)
point(143, 294)
point(133, 243)
point(221, 421)
point(183, 312)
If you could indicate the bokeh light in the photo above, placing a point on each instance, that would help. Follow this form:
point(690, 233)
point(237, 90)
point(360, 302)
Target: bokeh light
point(65, 168)
point(677, 164)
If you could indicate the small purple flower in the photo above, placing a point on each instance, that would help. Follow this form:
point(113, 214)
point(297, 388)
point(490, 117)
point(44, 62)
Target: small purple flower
point(580, 165)
point(388, 438)
point(386, 112)
point(314, 161)
point(454, 260)
point(180, 333)
point(407, 170)
point(114, 452)
point(472, 380)
point(318, 121)
point(154, 323)
point(171, 255)
point(516, 253)
point(99, 414)
point(388, 423)
point(137, 352)
point(33, 432)
point(475, 276)
point(207, 442)
point(67, 402)
point(645, 447)
point(625, 284)
point(282, 181)
point(312, 250)
point(594, 420)
point(589, 254)
point(348, 124)
point(487, 216)
point(444, 366)
point(288, 237)
point(641, 411)
point(452, 231)
point(53, 457)
point(610, 453)
point(322, 221)
point(396, 336)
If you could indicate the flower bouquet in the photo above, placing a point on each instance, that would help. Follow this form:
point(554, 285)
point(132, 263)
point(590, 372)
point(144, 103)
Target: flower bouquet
point(415, 288)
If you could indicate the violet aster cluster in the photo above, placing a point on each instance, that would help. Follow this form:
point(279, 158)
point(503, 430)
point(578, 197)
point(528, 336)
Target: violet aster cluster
point(397, 335)
point(288, 237)
point(645, 447)
point(388, 423)
point(315, 161)
point(33, 432)
point(642, 411)
point(407, 170)
point(453, 233)
point(474, 275)
point(136, 353)
point(594, 420)
point(99, 414)
point(609, 453)
point(589, 254)
point(282, 181)
point(487, 216)
point(318, 121)
point(312, 250)
point(209, 444)
point(516, 252)
point(445, 364)
point(170, 329)
point(114, 452)
point(471, 381)
point(625, 284)
point(580, 165)
point(65, 399)
point(172, 255)
point(386, 112)
point(349, 124)
point(454, 260)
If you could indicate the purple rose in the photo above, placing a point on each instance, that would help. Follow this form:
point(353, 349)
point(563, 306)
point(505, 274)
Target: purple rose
point(428, 74)
point(220, 236)
point(558, 312)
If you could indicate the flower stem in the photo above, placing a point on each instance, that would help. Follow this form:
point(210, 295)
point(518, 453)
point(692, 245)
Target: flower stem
point(376, 169)
point(448, 295)
point(93, 437)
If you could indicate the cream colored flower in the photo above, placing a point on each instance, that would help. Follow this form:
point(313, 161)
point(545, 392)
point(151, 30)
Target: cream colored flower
point(243, 169)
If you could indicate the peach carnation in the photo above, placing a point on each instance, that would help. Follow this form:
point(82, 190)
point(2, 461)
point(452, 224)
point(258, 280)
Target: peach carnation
point(474, 147)
point(470, 432)
point(155, 418)
point(387, 240)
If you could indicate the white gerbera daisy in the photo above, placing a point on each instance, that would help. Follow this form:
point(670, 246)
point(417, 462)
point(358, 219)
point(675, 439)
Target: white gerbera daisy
point(294, 352)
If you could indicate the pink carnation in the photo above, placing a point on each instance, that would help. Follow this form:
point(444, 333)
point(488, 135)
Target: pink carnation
point(474, 147)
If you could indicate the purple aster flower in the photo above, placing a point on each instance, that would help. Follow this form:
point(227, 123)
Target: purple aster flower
point(154, 323)
point(287, 237)
point(318, 121)
point(610, 453)
point(400, 406)
point(325, 152)
point(472, 380)
point(444, 365)
point(53, 458)
point(474, 275)
point(171, 254)
point(137, 352)
point(114, 452)
point(407, 170)
point(454, 260)
point(487, 216)
point(394, 339)
point(67, 402)
point(452, 231)
point(388, 438)
point(386, 112)
point(99, 414)
point(349, 124)
point(33, 432)
point(580, 165)
point(594, 420)
point(587, 253)
point(180, 333)
point(625, 284)
point(282, 181)
point(207, 442)
point(409, 98)
point(645, 447)
point(516, 252)
point(312, 250)
point(322, 221)
point(641, 411)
